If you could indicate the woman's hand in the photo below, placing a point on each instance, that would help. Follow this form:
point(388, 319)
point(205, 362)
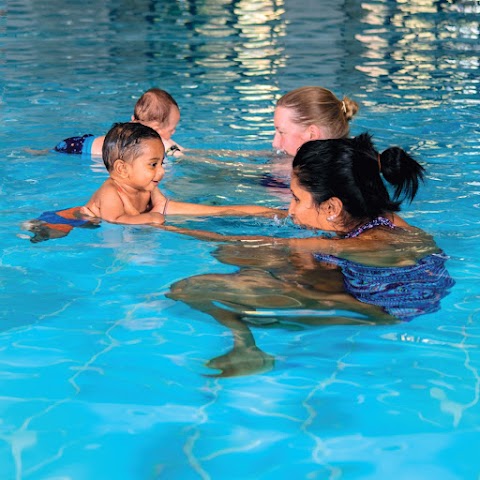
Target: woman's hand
point(241, 361)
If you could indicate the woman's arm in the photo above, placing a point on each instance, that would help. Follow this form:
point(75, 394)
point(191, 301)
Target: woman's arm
point(184, 208)
point(229, 158)
point(218, 237)
point(160, 204)
point(382, 248)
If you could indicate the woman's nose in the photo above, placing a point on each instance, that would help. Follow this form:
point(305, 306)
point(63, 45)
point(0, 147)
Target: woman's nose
point(276, 141)
point(291, 208)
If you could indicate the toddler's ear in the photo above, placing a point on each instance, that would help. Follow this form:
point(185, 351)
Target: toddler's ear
point(120, 168)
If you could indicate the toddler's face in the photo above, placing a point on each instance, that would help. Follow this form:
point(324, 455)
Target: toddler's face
point(146, 170)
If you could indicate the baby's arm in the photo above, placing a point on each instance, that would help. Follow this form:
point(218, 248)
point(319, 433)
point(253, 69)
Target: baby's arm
point(172, 148)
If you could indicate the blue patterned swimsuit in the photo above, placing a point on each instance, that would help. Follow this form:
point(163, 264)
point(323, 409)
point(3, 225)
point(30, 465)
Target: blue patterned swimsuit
point(376, 222)
point(404, 292)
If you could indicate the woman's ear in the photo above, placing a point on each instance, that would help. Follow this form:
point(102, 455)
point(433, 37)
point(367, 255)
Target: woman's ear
point(120, 168)
point(316, 133)
point(334, 207)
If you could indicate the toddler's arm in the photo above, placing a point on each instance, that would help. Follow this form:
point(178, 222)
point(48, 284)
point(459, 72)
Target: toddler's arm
point(113, 205)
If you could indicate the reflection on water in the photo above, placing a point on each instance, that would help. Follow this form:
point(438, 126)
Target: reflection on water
point(205, 53)
point(251, 32)
point(427, 49)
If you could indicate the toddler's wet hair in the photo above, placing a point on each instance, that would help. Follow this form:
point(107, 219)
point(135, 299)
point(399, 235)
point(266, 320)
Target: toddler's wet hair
point(124, 141)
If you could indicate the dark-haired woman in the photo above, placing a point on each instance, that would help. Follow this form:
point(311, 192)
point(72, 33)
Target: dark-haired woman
point(368, 269)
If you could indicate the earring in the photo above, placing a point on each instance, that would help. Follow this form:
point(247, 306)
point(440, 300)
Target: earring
point(331, 218)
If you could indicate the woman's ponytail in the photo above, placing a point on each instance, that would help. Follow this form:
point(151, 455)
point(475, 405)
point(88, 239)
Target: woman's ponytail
point(402, 171)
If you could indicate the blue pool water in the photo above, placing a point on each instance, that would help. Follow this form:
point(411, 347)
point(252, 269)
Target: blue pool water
point(102, 375)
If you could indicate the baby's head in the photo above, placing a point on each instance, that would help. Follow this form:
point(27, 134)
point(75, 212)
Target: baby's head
point(157, 109)
point(124, 142)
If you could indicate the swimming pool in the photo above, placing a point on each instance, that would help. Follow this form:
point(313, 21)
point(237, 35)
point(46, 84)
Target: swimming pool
point(102, 375)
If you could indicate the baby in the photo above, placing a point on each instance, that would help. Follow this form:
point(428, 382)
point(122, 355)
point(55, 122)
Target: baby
point(156, 109)
point(133, 154)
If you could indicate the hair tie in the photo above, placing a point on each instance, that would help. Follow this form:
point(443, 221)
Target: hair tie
point(344, 107)
point(379, 162)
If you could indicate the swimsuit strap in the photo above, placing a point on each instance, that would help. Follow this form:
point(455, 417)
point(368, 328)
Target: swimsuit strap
point(165, 207)
point(376, 222)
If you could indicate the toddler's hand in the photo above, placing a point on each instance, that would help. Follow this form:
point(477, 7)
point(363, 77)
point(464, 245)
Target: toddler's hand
point(86, 211)
point(156, 218)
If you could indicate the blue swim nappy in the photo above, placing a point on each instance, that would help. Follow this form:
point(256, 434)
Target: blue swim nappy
point(76, 145)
